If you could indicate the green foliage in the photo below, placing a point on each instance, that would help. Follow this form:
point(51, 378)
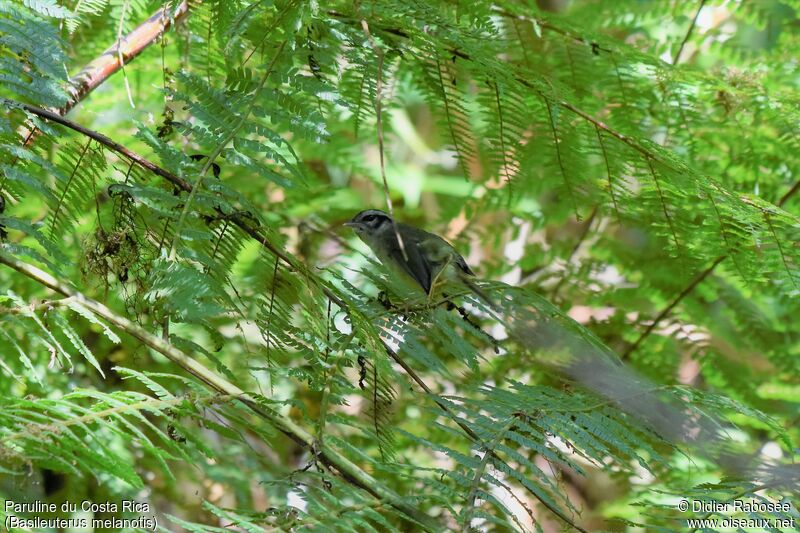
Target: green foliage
point(562, 153)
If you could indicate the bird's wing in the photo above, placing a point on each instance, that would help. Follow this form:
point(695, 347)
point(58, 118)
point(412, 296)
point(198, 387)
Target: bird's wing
point(440, 253)
point(463, 265)
point(414, 263)
point(425, 255)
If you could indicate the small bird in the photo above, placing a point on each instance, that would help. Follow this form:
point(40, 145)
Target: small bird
point(424, 256)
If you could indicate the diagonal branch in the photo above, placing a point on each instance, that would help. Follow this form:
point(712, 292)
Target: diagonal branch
point(288, 427)
point(122, 52)
point(688, 32)
point(697, 280)
point(53, 116)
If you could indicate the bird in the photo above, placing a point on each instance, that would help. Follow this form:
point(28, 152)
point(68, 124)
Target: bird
point(423, 256)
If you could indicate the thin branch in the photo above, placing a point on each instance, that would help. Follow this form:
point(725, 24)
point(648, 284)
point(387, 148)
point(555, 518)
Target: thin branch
point(120, 58)
point(788, 194)
point(285, 425)
point(243, 222)
point(45, 305)
point(542, 23)
point(581, 238)
point(476, 478)
point(664, 206)
point(608, 173)
point(688, 32)
point(668, 309)
point(379, 127)
point(556, 143)
point(102, 139)
point(545, 24)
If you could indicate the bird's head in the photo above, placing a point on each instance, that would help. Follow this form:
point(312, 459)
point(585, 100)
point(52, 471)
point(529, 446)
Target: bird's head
point(369, 221)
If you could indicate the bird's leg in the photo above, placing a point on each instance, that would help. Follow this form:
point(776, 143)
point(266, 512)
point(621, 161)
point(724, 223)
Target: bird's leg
point(468, 319)
point(404, 309)
point(383, 299)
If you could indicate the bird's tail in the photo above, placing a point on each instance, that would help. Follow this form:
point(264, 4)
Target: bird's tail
point(480, 294)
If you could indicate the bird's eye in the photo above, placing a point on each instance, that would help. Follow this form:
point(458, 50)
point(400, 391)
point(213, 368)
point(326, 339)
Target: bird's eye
point(369, 218)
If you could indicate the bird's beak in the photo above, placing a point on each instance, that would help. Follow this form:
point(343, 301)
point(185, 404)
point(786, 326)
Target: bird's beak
point(351, 224)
